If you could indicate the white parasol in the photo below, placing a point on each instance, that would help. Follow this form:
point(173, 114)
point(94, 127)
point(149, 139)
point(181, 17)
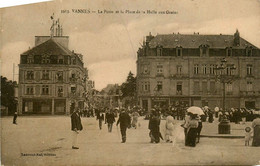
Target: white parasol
point(195, 110)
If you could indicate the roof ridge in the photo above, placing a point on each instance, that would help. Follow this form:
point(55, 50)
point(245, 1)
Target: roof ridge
point(65, 50)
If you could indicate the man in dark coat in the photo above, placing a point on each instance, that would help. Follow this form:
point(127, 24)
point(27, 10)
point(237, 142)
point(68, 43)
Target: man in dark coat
point(110, 119)
point(15, 117)
point(76, 126)
point(154, 127)
point(125, 121)
point(100, 118)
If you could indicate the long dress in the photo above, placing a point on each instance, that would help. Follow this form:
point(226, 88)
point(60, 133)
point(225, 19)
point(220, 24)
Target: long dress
point(256, 127)
point(154, 126)
point(135, 119)
point(192, 132)
point(169, 125)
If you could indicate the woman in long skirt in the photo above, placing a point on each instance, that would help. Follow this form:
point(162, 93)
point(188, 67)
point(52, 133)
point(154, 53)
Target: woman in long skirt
point(192, 131)
point(256, 127)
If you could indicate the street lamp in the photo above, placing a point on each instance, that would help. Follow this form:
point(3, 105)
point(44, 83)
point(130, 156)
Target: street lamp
point(224, 75)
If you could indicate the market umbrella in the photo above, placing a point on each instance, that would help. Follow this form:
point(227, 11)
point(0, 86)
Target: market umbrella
point(195, 110)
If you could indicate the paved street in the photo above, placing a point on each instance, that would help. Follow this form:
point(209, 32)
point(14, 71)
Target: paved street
point(50, 139)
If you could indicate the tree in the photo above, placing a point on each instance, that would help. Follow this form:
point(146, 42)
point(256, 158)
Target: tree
point(7, 94)
point(128, 89)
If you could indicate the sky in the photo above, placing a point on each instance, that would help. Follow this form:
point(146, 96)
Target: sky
point(109, 42)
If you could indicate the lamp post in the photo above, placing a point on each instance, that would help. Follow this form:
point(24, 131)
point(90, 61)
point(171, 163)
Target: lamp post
point(224, 75)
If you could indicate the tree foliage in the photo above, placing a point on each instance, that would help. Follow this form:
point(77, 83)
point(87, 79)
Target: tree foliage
point(128, 88)
point(7, 94)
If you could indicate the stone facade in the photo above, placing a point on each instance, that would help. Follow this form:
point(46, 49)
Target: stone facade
point(52, 79)
point(181, 69)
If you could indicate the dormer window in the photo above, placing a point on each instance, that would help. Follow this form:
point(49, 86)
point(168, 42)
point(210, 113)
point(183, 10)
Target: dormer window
point(204, 50)
point(249, 51)
point(30, 59)
point(45, 59)
point(159, 51)
point(229, 51)
point(179, 51)
point(60, 60)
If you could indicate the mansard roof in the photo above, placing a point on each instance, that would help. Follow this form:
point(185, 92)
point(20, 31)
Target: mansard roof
point(50, 47)
point(196, 40)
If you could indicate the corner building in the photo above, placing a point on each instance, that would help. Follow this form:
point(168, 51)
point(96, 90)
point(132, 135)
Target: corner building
point(180, 68)
point(52, 78)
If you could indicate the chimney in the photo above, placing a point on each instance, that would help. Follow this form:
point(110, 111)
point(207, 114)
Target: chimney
point(236, 38)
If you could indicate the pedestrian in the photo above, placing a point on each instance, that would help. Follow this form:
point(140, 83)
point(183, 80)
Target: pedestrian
point(248, 133)
point(125, 122)
point(15, 118)
point(100, 118)
point(256, 128)
point(192, 131)
point(185, 125)
point(210, 113)
point(76, 126)
point(154, 126)
point(169, 128)
point(110, 119)
point(199, 129)
point(135, 119)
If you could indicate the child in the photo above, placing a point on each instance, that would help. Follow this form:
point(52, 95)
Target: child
point(247, 135)
point(169, 126)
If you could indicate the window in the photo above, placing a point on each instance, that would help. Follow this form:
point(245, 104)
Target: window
point(229, 70)
point(159, 85)
point(229, 87)
point(145, 69)
point(30, 59)
point(196, 69)
point(212, 69)
point(45, 89)
point(249, 69)
point(45, 74)
point(229, 51)
point(159, 52)
point(73, 61)
point(60, 91)
point(59, 75)
point(45, 59)
point(60, 60)
point(146, 86)
point(29, 90)
point(179, 52)
point(204, 68)
point(179, 68)
point(29, 75)
point(204, 50)
point(73, 89)
point(249, 86)
point(196, 87)
point(248, 51)
point(159, 68)
point(179, 88)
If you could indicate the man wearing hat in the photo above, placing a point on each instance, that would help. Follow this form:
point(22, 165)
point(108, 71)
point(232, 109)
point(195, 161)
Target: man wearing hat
point(76, 126)
point(125, 121)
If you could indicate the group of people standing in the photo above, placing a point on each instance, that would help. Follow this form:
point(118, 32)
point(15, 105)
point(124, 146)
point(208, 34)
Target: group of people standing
point(192, 125)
